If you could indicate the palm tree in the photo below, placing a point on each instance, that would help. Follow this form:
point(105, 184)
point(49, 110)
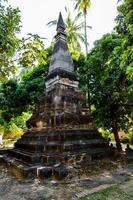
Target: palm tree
point(74, 31)
point(84, 5)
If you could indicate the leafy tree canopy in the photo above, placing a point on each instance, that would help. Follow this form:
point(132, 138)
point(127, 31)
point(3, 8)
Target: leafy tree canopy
point(31, 51)
point(124, 27)
point(9, 42)
point(109, 85)
point(19, 96)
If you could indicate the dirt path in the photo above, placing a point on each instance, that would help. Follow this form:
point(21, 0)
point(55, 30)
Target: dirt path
point(72, 188)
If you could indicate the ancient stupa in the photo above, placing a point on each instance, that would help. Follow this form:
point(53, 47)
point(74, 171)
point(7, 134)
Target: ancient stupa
point(61, 129)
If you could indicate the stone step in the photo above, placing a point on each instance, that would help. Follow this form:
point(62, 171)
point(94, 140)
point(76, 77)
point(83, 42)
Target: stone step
point(75, 145)
point(40, 146)
point(77, 152)
point(60, 136)
point(33, 146)
point(74, 156)
point(31, 153)
point(38, 134)
point(25, 157)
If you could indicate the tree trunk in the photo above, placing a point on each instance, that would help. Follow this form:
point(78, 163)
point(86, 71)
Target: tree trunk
point(86, 43)
point(88, 103)
point(89, 100)
point(86, 51)
point(116, 135)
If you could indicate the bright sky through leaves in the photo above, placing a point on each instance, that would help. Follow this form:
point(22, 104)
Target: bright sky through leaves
point(37, 13)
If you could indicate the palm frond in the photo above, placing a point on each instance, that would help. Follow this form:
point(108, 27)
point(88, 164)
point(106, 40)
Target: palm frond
point(78, 16)
point(80, 26)
point(82, 38)
point(90, 27)
point(77, 4)
point(52, 23)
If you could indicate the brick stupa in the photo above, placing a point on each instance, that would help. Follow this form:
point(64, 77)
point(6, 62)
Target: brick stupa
point(61, 129)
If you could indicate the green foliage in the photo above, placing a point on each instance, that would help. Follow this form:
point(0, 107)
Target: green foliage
point(32, 52)
point(14, 129)
point(107, 74)
point(130, 132)
point(105, 133)
point(20, 121)
point(17, 54)
point(74, 33)
point(80, 71)
point(1, 129)
point(124, 27)
point(84, 5)
point(109, 84)
point(17, 100)
point(9, 42)
point(130, 136)
point(19, 96)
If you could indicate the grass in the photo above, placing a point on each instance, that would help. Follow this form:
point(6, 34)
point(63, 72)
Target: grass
point(111, 193)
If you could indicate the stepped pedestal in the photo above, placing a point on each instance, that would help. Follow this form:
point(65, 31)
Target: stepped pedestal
point(43, 150)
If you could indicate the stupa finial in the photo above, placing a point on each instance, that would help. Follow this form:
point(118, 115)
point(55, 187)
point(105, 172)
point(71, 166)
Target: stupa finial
point(60, 23)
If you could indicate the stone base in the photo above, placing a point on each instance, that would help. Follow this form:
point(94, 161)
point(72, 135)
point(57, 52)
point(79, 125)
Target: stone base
point(44, 172)
point(58, 171)
point(38, 152)
point(22, 171)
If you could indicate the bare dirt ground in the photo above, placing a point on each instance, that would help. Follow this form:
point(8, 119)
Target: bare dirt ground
point(79, 183)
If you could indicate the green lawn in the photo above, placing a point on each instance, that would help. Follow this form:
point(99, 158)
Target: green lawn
point(112, 193)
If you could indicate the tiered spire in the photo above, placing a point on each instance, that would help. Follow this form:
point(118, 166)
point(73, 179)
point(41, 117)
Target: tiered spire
point(61, 61)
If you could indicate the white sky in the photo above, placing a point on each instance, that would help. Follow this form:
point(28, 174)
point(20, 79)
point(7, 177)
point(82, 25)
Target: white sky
point(35, 14)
